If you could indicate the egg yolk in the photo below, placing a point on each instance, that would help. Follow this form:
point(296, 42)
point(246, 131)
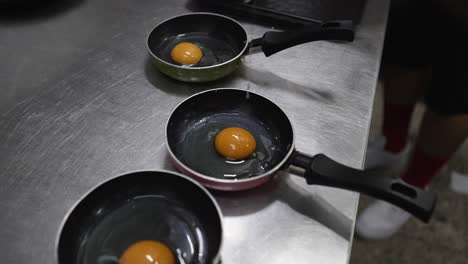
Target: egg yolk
point(235, 143)
point(186, 53)
point(147, 252)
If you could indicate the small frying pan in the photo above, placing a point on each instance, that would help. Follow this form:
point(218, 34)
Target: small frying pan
point(148, 205)
point(223, 42)
point(194, 124)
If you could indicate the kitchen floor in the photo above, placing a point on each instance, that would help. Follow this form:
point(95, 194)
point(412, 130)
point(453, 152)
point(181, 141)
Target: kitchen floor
point(444, 239)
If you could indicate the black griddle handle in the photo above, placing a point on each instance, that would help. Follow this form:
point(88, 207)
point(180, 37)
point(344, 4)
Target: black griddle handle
point(321, 170)
point(276, 41)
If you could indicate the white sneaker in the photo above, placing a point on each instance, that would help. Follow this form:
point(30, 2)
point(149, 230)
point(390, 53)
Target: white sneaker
point(459, 182)
point(380, 220)
point(377, 157)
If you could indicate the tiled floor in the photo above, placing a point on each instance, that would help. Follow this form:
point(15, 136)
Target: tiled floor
point(443, 240)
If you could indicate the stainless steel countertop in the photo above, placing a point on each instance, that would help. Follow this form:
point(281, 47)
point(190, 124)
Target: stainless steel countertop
point(81, 104)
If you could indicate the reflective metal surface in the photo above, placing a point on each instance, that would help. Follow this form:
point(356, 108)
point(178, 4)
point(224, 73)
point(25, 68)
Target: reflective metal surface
point(82, 104)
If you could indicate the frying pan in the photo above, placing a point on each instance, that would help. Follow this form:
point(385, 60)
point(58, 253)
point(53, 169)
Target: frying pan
point(223, 42)
point(147, 205)
point(194, 123)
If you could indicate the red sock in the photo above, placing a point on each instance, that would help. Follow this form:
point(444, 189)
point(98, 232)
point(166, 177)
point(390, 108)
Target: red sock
point(395, 125)
point(422, 168)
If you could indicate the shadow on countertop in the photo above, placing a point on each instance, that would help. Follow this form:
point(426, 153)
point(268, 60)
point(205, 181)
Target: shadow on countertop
point(245, 72)
point(266, 78)
point(280, 189)
point(171, 86)
point(24, 11)
point(283, 189)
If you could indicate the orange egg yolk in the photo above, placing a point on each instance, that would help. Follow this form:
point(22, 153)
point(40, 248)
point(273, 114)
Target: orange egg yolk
point(186, 53)
point(147, 252)
point(235, 143)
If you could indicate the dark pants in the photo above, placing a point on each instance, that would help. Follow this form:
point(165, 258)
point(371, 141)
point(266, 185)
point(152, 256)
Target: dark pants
point(421, 34)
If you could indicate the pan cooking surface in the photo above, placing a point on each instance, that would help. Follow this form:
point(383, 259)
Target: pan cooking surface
point(215, 50)
point(196, 147)
point(147, 217)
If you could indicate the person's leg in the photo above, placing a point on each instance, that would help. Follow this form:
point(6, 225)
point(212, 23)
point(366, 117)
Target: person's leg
point(404, 65)
point(404, 69)
point(443, 130)
point(440, 136)
point(445, 124)
point(402, 88)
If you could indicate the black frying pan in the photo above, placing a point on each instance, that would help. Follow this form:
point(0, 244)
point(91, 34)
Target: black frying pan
point(194, 123)
point(151, 205)
point(224, 42)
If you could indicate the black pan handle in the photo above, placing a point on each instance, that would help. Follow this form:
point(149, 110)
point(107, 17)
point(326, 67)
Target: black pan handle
point(275, 41)
point(322, 170)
